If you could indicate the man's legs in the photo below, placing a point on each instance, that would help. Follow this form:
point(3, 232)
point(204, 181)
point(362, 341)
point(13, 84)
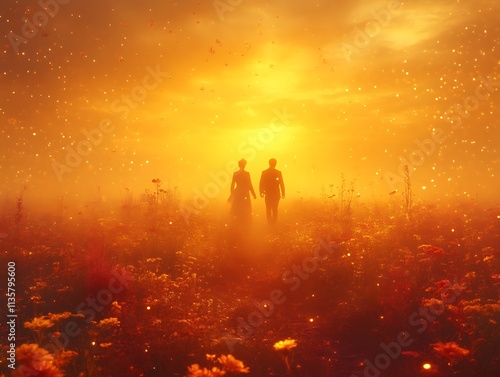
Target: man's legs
point(268, 212)
point(275, 211)
point(272, 210)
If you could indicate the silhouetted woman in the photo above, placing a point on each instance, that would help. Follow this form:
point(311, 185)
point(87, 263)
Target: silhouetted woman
point(241, 188)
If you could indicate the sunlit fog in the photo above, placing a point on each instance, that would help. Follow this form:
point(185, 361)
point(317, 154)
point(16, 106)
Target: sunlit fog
point(183, 90)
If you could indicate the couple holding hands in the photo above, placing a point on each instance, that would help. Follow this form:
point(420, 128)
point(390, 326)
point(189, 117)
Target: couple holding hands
point(271, 188)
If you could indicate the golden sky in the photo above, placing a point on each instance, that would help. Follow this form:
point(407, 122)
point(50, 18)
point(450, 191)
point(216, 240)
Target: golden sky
point(113, 94)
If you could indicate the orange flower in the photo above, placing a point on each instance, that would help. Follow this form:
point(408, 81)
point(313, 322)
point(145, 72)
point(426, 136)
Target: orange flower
point(450, 350)
point(32, 358)
point(195, 371)
point(231, 364)
point(38, 323)
point(64, 358)
point(285, 345)
point(108, 323)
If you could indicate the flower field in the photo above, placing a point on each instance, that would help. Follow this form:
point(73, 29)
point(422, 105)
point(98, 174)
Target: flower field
point(136, 290)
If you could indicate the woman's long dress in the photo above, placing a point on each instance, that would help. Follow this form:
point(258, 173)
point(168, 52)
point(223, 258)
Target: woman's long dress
point(241, 207)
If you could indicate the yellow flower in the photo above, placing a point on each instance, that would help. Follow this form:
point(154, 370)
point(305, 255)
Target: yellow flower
point(285, 345)
point(38, 323)
point(231, 364)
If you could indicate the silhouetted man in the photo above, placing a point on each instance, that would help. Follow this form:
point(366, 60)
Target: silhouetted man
point(271, 183)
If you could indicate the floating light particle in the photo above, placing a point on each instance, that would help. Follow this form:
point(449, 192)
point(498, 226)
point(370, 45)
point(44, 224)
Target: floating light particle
point(426, 366)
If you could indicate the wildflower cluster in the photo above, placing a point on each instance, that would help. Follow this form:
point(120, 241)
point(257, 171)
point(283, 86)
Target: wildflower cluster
point(228, 365)
point(33, 360)
point(450, 351)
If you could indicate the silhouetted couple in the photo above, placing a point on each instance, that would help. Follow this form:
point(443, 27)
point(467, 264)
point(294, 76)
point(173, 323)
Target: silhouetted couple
point(271, 188)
